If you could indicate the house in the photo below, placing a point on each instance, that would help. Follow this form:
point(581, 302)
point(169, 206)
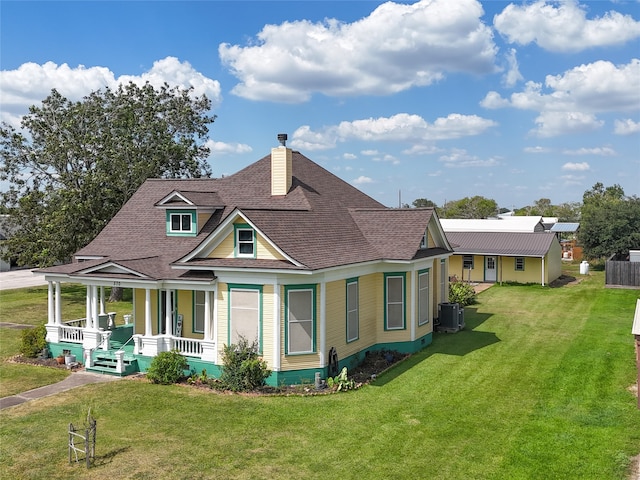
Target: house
point(521, 257)
point(282, 252)
point(514, 224)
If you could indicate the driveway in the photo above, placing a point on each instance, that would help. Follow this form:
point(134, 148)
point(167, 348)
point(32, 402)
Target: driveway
point(20, 279)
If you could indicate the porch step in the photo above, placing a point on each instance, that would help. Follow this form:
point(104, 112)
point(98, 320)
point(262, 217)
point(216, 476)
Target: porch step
point(106, 362)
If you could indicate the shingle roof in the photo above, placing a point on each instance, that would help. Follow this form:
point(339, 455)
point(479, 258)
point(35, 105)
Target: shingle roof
point(322, 222)
point(535, 244)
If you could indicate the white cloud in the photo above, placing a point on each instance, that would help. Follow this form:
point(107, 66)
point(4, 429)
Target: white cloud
point(395, 48)
point(222, 148)
point(513, 75)
point(563, 26)
point(370, 153)
point(349, 156)
point(361, 180)
point(576, 167)
point(401, 127)
point(568, 102)
point(599, 151)
point(459, 158)
point(536, 149)
point(31, 83)
point(552, 124)
point(626, 127)
point(422, 149)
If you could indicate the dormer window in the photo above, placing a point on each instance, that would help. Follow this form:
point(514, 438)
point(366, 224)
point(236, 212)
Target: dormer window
point(245, 241)
point(181, 223)
point(425, 240)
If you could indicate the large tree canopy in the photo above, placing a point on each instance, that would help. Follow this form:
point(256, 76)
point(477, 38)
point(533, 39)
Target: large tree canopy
point(565, 212)
point(77, 163)
point(610, 222)
point(474, 207)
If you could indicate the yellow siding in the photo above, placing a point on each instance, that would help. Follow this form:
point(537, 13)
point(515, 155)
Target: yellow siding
point(185, 308)
point(553, 262)
point(477, 272)
point(202, 219)
point(138, 314)
point(222, 297)
point(430, 242)
point(264, 250)
point(336, 316)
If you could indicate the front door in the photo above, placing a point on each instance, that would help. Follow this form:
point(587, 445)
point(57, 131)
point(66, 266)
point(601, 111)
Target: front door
point(490, 269)
point(162, 310)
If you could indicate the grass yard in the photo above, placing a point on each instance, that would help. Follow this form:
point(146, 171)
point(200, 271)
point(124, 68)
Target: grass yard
point(536, 387)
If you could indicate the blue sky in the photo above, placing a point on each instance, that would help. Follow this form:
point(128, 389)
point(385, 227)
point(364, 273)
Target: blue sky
point(438, 99)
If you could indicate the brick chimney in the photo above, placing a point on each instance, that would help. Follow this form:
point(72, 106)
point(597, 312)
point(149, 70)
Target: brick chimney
point(281, 161)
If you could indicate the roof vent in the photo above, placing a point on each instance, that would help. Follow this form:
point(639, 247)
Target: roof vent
point(282, 138)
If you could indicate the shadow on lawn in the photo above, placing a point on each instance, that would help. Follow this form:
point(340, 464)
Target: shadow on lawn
point(460, 344)
point(109, 456)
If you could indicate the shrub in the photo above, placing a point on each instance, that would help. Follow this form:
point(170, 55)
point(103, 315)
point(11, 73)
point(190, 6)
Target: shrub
point(243, 370)
point(341, 382)
point(167, 368)
point(462, 293)
point(33, 341)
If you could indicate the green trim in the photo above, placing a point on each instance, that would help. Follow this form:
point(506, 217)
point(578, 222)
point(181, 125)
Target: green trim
point(287, 289)
point(403, 275)
point(194, 223)
point(245, 286)
point(422, 272)
point(515, 264)
point(243, 226)
point(348, 282)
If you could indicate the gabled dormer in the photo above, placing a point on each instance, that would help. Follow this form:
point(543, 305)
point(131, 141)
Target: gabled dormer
point(187, 211)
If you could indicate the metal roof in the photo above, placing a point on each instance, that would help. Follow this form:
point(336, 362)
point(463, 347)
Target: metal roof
point(534, 244)
point(565, 227)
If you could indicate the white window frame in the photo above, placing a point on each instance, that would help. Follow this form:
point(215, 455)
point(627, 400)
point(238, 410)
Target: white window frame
point(182, 216)
point(515, 264)
point(353, 309)
point(290, 320)
point(387, 303)
point(240, 242)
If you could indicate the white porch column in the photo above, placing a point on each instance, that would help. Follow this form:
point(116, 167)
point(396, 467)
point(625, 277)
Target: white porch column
point(94, 306)
point(147, 313)
point(276, 326)
point(209, 343)
point(58, 305)
point(207, 315)
point(542, 264)
point(88, 322)
point(323, 323)
point(51, 316)
point(101, 300)
point(168, 314)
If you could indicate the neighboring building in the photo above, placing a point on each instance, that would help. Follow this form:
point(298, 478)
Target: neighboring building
point(505, 257)
point(505, 224)
point(282, 252)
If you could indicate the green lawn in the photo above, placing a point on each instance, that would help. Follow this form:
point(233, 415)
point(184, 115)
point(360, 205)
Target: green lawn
point(536, 387)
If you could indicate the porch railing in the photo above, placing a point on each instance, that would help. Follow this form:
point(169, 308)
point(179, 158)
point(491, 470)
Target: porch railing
point(71, 334)
point(79, 322)
point(187, 346)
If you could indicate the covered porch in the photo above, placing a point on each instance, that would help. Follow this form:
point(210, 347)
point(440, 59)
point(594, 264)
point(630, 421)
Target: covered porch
point(119, 342)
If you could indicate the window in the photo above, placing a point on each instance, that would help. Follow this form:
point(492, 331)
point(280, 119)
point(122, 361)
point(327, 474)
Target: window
point(181, 223)
point(425, 240)
point(519, 264)
point(300, 319)
point(467, 262)
point(198, 311)
point(245, 241)
point(353, 327)
point(244, 313)
point(394, 301)
point(423, 297)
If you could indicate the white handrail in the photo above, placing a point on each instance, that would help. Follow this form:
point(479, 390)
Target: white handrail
point(187, 346)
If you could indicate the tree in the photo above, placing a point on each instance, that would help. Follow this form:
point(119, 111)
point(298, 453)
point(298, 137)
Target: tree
point(474, 207)
point(610, 222)
point(78, 162)
point(423, 202)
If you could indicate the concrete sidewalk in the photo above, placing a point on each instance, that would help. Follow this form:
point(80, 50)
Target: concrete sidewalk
point(20, 279)
point(76, 379)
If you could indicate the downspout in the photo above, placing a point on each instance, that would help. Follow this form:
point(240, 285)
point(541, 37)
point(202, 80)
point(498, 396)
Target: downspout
point(276, 326)
point(542, 263)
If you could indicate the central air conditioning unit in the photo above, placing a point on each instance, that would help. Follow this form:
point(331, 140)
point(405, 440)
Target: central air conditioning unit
point(451, 318)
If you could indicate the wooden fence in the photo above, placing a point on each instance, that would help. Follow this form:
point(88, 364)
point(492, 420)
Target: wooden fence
point(622, 273)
